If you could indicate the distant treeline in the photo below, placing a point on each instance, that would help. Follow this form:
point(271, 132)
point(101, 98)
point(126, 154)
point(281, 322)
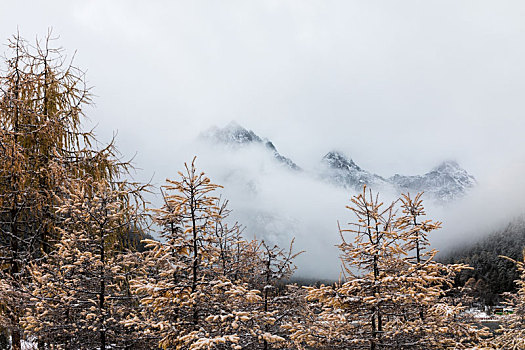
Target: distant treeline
point(491, 274)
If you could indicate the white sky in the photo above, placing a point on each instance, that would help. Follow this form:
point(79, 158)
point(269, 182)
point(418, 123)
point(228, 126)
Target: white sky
point(397, 85)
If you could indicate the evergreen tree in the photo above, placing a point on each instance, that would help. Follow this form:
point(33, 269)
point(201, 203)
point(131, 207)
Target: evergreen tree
point(492, 275)
point(512, 332)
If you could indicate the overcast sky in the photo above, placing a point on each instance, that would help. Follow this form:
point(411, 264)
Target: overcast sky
point(397, 85)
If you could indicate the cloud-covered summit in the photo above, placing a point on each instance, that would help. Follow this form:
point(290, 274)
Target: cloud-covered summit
point(344, 172)
point(233, 135)
point(444, 183)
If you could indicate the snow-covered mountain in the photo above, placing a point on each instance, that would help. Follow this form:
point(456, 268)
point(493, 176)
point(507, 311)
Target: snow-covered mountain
point(445, 183)
point(234, 135)
point(342, 171)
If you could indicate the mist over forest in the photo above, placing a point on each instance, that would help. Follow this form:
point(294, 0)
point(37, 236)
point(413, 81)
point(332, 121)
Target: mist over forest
point(262, 175)
point(278, 203)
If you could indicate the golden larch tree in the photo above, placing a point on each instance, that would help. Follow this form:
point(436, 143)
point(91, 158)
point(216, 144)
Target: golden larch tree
point(190, 302)
point(42, 144)
point(393, 292)
point(80, 293)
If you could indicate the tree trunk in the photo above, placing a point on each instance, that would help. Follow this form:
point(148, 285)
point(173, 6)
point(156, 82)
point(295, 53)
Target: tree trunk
point(16, 339)
point(195, 257)
point(102, 292)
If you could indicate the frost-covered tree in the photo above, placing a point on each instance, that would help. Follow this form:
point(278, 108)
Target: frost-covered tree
point(190, 297)
point(428, 318)
point(512, 332)
point(278, 300)
point(261, 267)
point(392, 293)
point(80, 292)
point(354, 314)
point(41, 145)
point(204, 285)
point(235, 254)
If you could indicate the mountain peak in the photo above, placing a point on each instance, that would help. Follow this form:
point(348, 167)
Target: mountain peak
point(447, 166)
point(233, 124)
point(445, 182)
point(342, 171)
point(232, 134)
point(235, 135)
point(338, 160)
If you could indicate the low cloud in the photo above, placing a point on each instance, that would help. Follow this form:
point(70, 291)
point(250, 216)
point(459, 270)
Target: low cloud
point(277, 204)
point(398, 87)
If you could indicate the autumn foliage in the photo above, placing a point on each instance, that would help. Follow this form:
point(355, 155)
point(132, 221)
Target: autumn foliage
point(87, 263)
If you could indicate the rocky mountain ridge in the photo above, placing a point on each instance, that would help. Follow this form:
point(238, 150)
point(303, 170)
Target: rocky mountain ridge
point(444, 183)
point(234, 135)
